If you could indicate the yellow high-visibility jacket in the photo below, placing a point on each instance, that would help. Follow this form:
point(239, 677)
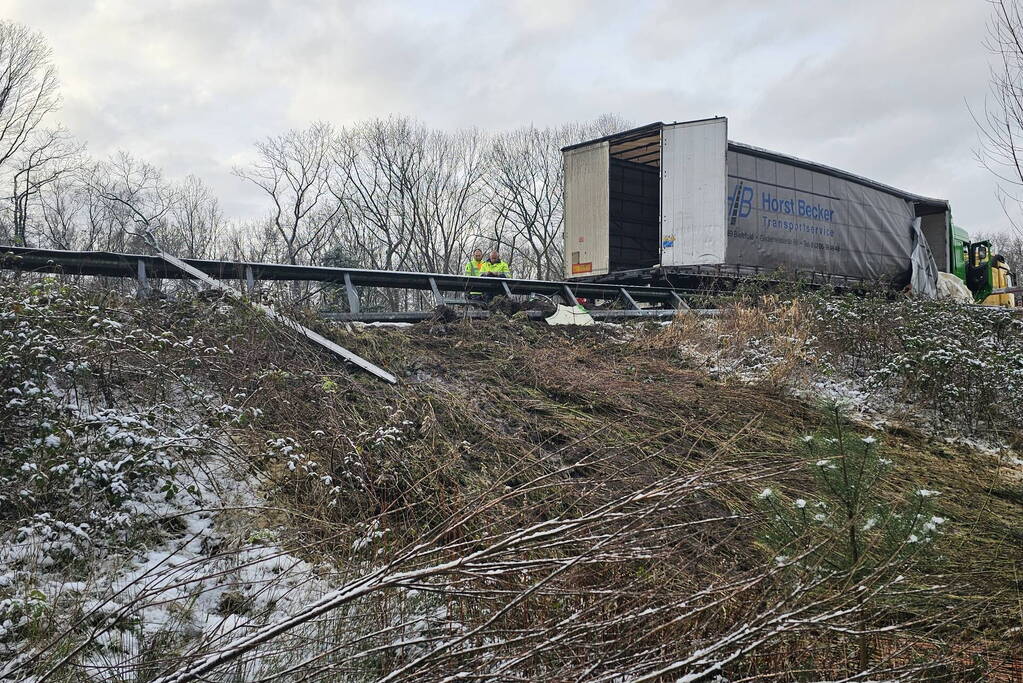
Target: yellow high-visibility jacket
point(498, 268)
point(475, 268)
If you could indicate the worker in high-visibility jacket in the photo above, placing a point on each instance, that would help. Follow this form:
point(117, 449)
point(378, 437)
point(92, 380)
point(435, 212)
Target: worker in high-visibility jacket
point(495, 267)
point(475, 268)
point(476, 265)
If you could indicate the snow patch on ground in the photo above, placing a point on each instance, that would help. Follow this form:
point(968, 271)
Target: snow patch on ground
point(133, 528)
point(356, 323)
point(790, 364)
point(201, 581)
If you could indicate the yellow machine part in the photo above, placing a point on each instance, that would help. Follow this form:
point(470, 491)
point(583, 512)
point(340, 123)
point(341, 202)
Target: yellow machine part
point(1000, 280)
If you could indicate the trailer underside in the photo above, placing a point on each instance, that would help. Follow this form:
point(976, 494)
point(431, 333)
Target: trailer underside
point(703, 279)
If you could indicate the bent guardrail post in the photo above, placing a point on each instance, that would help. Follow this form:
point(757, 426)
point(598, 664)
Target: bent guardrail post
point(353, 295)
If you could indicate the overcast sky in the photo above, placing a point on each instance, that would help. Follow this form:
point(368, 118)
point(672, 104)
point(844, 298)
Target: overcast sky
point(875, 87)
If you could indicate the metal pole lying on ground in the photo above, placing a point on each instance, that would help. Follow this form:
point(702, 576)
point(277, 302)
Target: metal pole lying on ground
point(283, 319)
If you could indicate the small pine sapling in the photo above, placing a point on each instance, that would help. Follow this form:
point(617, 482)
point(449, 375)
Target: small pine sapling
point(846, 533)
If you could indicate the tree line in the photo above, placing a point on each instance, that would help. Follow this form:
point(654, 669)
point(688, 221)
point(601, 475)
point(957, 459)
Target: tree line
point(388, 193)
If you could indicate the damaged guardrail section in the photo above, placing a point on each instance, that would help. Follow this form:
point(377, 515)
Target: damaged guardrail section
point(284, 320)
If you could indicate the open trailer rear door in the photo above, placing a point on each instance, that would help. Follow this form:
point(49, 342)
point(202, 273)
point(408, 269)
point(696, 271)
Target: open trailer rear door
point(586, 210)
point(694, 179)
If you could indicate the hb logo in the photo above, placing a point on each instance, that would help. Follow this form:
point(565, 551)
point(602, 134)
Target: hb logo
point(740, 202)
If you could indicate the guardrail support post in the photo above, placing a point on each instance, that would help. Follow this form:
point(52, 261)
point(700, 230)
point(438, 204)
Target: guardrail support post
point(678, 302)
point(144, 290)
point(569, 296)
point(353, 295)
point(436, 292)
point(507, 289)
point(250, 279)
point(629, 300)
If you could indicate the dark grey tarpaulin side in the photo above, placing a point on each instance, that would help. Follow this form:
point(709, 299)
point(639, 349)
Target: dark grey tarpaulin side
point(782, 215)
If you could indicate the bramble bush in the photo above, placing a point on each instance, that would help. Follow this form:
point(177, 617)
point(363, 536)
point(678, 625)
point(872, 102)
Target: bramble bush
point(964, 363)
point(960, 367)
point(78, 479)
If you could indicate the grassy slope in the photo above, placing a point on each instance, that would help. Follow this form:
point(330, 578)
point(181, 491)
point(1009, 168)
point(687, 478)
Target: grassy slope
point(511, 387)
point(522, 394)
point(485, 406)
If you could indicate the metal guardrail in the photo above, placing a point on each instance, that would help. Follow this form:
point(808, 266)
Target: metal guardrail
point(142, 267)
point(704, 276)
point(476, 314)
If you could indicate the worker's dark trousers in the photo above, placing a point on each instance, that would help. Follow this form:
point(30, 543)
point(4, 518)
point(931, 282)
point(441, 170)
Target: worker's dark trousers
point(487, 298)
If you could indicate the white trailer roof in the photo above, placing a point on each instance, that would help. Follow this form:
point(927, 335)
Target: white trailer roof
point(634, 145)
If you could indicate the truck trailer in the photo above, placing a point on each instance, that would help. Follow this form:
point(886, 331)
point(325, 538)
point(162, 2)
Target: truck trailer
point(670, 202)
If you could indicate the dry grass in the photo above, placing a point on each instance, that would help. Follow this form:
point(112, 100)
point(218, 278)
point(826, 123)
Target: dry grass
point(503, 425)
point(524, 390)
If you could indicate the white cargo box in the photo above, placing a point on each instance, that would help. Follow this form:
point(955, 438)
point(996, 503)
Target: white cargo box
point(682, 195)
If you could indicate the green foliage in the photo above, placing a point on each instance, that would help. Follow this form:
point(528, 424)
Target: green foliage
point(964, 363)
point(23, 613)
point(67, 466)
point(847, 534)
point(847, 526)
point(341, 256)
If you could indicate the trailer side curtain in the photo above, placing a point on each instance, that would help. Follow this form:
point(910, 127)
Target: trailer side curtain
point(924, 280)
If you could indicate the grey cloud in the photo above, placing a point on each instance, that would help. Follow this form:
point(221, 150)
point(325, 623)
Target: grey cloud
point(890, 104)
point(872, 86)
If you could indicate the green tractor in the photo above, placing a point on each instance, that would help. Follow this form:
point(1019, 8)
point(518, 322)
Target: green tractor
point(980, 269)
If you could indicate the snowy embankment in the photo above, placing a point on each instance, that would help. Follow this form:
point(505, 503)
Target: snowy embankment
point(130, 523)
point(189, 494)
point(941, 368)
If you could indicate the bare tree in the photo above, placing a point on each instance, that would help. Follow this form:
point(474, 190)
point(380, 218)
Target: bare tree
point(451, 199)
point(410, 198)
point(48, 155)
point(292, 171)
point(28, 86)
point(379, 175)
point(195, 219)
point(526, 193)
point(1011, 247)
point(136, 199)
point(61, 209)
point(1001, 123)
point(377, 167)
point(256, 240)
point(526, 196)
point(28, 92)
point(73, 213)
